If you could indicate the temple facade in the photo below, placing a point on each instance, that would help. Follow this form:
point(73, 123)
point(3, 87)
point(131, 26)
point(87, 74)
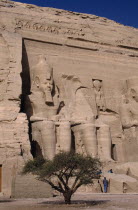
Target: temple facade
point(68, 82)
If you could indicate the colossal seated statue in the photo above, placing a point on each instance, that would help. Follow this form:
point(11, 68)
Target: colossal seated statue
point(44, 99)
point(81, 104)
point(129, 119)
point(129, 106)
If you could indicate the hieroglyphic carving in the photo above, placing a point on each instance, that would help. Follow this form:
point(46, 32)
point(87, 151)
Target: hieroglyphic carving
point(45, 27)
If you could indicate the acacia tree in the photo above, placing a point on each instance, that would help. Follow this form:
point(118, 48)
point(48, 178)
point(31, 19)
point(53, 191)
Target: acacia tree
point(70, 170)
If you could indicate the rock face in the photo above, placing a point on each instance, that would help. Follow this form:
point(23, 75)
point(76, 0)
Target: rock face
point(68, 81)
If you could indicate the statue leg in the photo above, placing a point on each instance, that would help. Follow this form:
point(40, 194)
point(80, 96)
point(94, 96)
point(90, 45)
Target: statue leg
point(105, 142)
point(90, 139)
point(48, 139)
point(65, 136)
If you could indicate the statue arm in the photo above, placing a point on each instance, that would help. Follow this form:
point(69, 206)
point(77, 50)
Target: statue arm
point(103, 101)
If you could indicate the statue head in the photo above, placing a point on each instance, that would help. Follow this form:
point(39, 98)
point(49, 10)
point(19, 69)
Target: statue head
point(97, 84)
point(43, 78)
point(132, 84)
point(44, 84)
point(133, 93)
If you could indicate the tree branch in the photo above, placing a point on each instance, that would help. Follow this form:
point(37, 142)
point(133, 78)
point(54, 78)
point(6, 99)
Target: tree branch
point(54, 186)
point(63, 182)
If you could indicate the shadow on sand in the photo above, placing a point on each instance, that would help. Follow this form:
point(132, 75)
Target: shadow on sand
point(75, 203)
point(6, 201)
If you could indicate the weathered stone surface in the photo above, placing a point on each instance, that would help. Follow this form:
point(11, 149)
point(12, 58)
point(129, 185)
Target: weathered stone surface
point(121, 183)
point(29, 187)
point(129, 168)
point(68, 81)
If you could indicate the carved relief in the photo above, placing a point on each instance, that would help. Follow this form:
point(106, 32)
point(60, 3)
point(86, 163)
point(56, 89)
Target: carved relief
point(44, 27)
point(99, 95)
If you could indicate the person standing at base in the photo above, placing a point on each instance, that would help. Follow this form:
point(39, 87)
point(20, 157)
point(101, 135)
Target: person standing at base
point(105, 184)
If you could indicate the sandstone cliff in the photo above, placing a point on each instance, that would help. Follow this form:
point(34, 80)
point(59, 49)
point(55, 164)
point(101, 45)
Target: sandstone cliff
point(85, 46)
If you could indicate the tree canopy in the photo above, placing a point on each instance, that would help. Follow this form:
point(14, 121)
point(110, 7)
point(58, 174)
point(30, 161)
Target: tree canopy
point(66, 172)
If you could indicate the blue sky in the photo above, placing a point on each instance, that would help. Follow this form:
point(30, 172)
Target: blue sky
point(122, 11)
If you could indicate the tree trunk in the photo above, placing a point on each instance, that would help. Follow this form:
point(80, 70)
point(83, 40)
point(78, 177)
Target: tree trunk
point(67, 197)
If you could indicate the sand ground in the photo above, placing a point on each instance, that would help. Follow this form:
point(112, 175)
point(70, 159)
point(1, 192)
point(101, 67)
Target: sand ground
point(79, 201)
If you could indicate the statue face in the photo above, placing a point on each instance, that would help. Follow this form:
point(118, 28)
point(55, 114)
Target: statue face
point(134, 93)
point(97, 84)
point(46, 85)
